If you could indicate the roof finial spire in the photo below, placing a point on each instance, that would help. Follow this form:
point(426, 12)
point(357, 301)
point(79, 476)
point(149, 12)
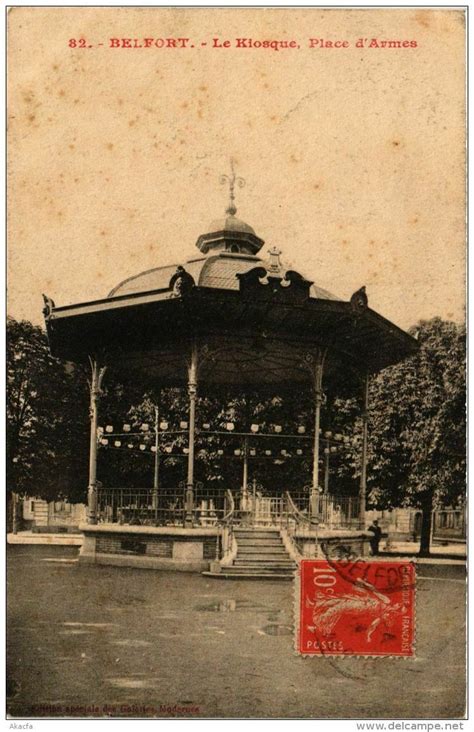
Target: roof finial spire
point(232, 180)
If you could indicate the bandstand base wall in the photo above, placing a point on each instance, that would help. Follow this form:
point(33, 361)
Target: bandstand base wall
point(147, 547)
point(194, 549)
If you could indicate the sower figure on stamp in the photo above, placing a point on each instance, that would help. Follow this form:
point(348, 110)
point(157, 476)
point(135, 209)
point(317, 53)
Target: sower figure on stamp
point(375, 529)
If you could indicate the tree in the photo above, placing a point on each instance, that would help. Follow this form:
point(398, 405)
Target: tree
point(47, 418)
point(417, 426)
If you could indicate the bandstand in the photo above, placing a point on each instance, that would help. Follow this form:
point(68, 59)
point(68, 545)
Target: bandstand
point(227, 317)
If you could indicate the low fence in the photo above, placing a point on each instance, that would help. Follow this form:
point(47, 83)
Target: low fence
point(39, 513)
point(449, 524)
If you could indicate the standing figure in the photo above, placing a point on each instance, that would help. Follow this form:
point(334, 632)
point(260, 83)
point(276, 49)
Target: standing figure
point(375, 529)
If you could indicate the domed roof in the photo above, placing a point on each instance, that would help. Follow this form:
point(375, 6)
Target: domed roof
point(231, 249)
point(216, 270)
point(230, 222)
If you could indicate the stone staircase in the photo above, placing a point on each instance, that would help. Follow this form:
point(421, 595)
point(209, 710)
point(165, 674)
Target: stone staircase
point(261, 554)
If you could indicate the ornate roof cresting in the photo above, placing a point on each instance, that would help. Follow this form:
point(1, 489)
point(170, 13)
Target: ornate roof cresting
point(181, 282)
point(359, 300)
point(48, 307)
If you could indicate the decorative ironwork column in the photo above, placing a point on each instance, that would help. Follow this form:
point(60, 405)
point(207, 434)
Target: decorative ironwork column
point(315, 363)
point(327, 451)
point(95, 386)
point(318, 400)
point(192, 393)
point(154, 496)
point(363, 467)
point(245, 473)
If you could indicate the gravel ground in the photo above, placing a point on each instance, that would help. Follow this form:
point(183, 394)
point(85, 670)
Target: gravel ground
point(105, 641)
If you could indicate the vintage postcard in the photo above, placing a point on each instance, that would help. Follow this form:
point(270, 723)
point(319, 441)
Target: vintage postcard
point(236, 363)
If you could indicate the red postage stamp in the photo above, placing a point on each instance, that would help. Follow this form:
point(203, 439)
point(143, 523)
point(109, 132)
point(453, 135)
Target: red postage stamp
point(363, 608)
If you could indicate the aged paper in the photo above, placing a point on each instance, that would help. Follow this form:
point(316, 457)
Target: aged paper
point(348, 126)
point(353, 157)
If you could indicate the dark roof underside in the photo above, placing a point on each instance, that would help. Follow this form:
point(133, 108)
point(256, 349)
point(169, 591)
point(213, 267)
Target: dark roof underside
point(249, 342)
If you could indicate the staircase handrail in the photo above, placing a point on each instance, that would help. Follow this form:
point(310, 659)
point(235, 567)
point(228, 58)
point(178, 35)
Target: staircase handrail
point(227, 518)
point(300, 517)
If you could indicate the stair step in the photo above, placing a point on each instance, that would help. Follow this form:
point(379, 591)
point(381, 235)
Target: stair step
point(264, 545)
point(260, 547)
point(259, 570)
point(261, 552)
point(258, 557)
point(272, 567)
point(258, 532)
point(259, 540)
point(257, 573)
point(256, 576)
point(251, 534)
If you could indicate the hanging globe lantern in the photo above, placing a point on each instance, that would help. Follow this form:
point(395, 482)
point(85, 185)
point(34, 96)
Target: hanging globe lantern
point(299, 452)
point(126, 428)
point(153, 448)
point(144, 427)
point(104, 441)
point(301, 429)
point(338, 437)
point(237, 452)
point(117, 443)
point(230, 426)
point(253, 452)
point(326, 451)
point(206, 426)
point(333, 449)
point(109, 428)
point(268, 452)
point(328, 435)
point(164, 426)
point(254, 427)
point(183, 425)
point(142, 446)
point(277, 428)
point(130, 445)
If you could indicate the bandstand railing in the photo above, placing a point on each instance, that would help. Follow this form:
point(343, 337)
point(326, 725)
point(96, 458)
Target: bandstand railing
point(332, 511)
point(227, 528)
point(219, 507)
point(295, 519)
point(339, 511)
point(141, 506)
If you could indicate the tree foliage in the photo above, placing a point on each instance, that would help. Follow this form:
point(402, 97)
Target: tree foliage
point(417, 422)
point(47, 418)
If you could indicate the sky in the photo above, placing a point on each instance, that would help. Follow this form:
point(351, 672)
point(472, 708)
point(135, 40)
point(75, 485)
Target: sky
point(353, 157)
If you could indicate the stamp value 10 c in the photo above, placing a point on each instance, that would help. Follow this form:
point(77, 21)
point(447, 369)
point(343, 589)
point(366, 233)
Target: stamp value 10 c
point(366, 608)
